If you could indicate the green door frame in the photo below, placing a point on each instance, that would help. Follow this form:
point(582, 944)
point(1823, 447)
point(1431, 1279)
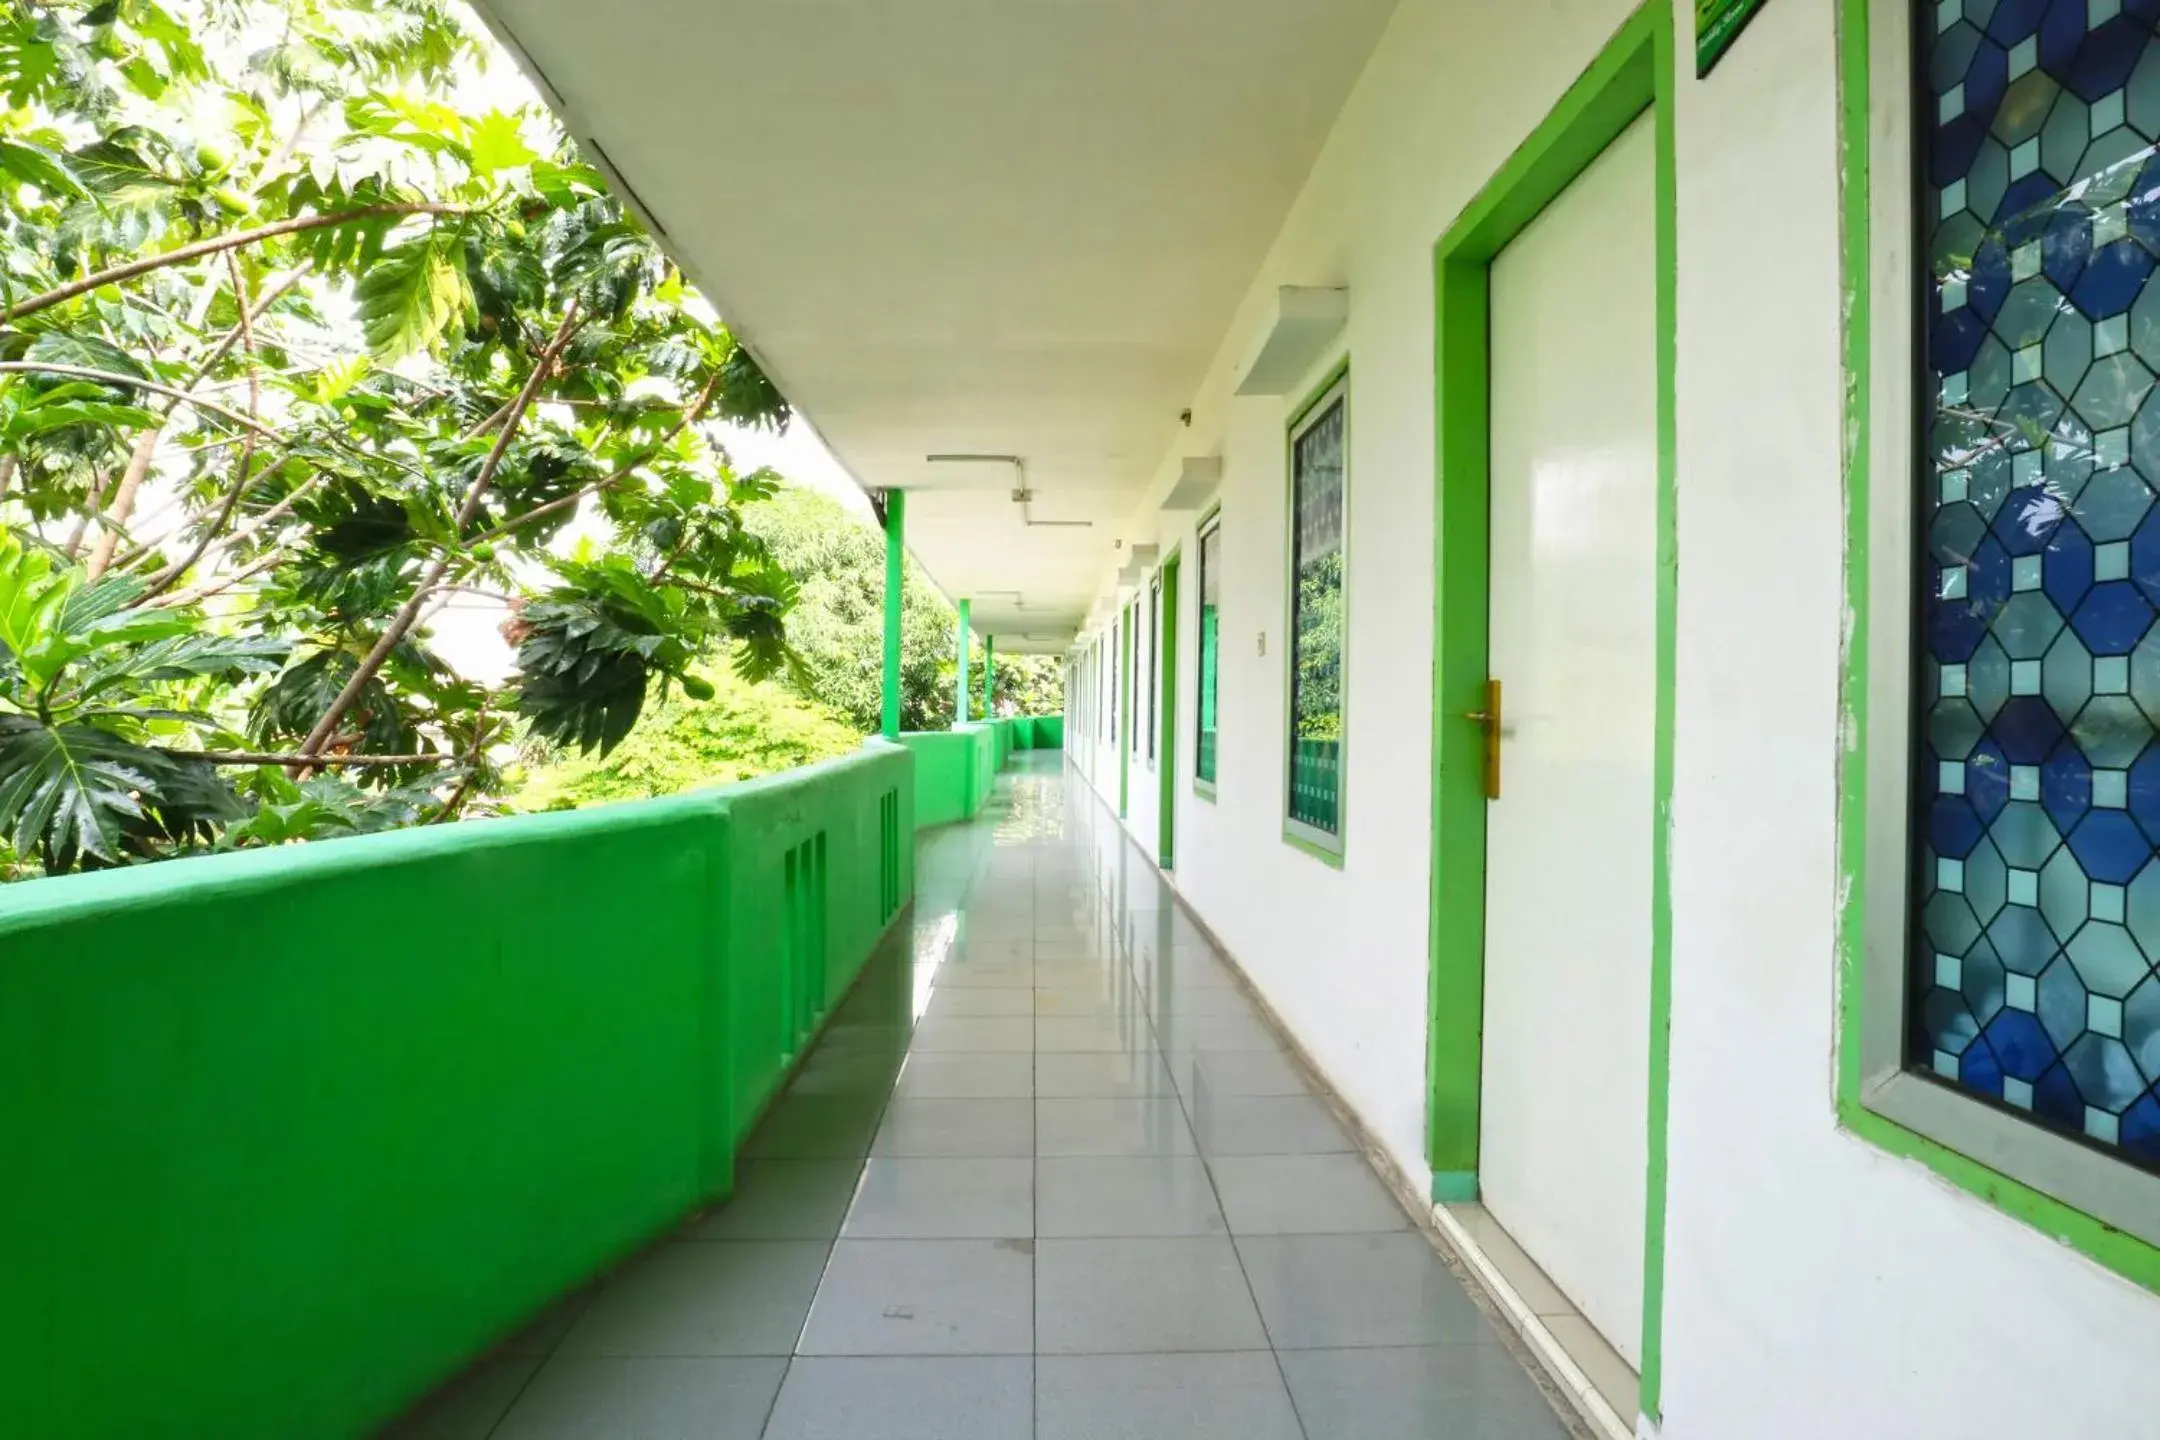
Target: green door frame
point(1166, 629)
point(1125, 719)
point(1632, 74)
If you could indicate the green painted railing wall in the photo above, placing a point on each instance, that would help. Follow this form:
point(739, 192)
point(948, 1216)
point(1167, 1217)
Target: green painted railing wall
point(956, 769)
point(946, 762)
point(292, 1134)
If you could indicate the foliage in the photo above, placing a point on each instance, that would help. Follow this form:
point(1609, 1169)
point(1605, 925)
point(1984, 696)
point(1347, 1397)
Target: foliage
point(838, 623)
point(743, 729)
point(1028, 685)
point(295, 345)
point(87, 679)
point(1316, 699)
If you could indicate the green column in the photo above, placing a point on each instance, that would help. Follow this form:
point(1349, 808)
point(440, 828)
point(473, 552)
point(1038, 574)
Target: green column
point(989, 675)
point(960, 709)
point(895, 592)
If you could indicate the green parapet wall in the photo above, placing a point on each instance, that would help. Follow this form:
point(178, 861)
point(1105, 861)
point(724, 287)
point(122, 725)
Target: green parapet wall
point(294, 1134)
point(987, 759)
point(945, 787)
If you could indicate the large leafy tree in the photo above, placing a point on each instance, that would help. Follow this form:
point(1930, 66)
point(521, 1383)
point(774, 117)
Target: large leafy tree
point(302, 335)
point(837, 628)
point(838, 561)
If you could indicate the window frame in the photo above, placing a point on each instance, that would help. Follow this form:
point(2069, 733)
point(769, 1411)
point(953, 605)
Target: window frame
point(1132, 678)
point(1117, 663)
point(1333, 389)
point(1210, 527)
point(2054, 1181)
point(1154, 661)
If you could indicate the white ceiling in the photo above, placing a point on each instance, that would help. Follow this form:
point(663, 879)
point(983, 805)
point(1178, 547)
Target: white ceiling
point(1008, 227)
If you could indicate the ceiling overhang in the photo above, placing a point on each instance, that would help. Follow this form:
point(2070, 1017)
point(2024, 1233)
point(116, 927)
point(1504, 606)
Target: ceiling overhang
point(970, 228)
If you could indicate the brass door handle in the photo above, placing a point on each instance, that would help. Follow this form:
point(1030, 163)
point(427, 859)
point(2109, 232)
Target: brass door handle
point(1489, 718)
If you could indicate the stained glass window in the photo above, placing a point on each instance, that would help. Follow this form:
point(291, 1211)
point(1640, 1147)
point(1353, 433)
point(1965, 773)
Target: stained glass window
point(2037, 897)
point(1317, 451)
point(1210, 646)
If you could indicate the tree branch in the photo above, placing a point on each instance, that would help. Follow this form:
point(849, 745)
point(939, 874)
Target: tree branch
point(204, 592)
point(553, 507)
point(409, 613)
point(250, 757)
point(109, 377)
point(163, 580)
point(138, 465)
point(216, 245)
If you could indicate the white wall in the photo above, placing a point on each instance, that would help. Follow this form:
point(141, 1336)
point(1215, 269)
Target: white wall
point(1814, 1285)
point(1342, 954)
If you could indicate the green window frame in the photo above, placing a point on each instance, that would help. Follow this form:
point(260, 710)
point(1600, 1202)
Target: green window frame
point(1207, 720)
point(1154, 658)
point(2102, 1205)
point(1117, 669)
point(1318, 464)
point(1133, 661)
point(1095, 674)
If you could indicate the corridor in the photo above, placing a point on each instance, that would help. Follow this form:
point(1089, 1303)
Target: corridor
point(1048, 1173)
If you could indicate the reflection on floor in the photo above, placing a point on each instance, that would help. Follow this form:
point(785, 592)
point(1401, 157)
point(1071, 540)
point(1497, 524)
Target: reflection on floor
point(1047, 1174)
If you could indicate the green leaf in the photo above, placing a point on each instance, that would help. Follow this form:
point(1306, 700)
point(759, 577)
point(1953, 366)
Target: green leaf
point(75, 794)
point(84, 352)
point(38, 417)
point(35, 165)
point(412, 296)
point(497, 142)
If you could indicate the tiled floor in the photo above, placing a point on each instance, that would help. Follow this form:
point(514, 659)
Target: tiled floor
point(1047, 1174)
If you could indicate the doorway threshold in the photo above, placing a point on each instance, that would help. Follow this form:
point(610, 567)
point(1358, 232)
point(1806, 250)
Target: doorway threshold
point(1604, 1387)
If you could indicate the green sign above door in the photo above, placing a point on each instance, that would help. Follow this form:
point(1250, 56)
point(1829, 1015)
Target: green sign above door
point(1717, 24)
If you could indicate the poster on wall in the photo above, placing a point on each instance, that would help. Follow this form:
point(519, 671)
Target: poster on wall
point(1717, 24)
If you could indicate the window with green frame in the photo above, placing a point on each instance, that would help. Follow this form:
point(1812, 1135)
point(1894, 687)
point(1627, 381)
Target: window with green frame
point(1132, 676)
point(2005, 1018)
point(1210, 646)
point(1319, 452)
point(1154, 658)
point(1117, 667)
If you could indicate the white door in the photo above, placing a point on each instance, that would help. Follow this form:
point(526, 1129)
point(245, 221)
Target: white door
point(1567, 891)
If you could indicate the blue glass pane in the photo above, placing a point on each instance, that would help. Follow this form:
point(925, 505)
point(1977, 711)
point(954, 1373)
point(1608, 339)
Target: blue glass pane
point(2110, 846)
point(2013, 20)
point(2027, 730)
point(2069, 569)
point(1953, 828)
point(2056, 1097)
point(2112, 279)
point(2021, 1046)
point(2038, 830)
point(2105, 59)
point(2112, 618)
point(1978, 1069)
point(2066, 787)
point(2066, 247)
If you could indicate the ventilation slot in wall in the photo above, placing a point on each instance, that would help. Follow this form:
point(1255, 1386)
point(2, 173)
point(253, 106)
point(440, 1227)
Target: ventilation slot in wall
point(888, 854)
point(805, 925)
